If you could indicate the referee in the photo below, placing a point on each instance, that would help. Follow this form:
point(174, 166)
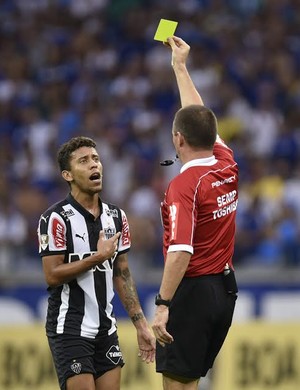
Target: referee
point(198, 291)
point(83, 243)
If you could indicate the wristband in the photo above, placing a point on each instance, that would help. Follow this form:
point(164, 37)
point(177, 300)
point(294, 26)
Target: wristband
point(159, 301)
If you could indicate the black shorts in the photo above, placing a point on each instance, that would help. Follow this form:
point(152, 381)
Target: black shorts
point(73, 355)
point(199, 319)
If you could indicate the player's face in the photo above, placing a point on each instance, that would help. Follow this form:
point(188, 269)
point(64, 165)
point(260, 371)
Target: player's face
point(86, 170)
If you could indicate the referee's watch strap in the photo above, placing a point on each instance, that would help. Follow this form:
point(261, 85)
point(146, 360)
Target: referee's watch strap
point(160, 301)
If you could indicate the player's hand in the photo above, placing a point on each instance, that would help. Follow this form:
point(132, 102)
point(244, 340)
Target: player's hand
point(180, 50)
point(147, 345)
point(159, 326)
point(107, 247)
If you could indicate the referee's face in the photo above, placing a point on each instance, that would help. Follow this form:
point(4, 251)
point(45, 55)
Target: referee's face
point(86, 171)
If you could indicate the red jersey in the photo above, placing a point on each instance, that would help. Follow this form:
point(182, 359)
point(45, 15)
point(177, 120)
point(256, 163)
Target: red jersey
point(199, 209)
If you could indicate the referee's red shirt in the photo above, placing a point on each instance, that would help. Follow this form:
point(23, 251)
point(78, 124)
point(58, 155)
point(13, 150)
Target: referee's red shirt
point(199, 209)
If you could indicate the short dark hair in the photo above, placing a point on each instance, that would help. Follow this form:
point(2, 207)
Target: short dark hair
point(66, 149)
point(198, 125)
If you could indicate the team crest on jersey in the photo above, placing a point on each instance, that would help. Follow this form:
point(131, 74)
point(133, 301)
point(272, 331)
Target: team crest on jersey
point(112, 213)
point(109, 232)
point(114, 354)
point(44, 241)
point(76, 367)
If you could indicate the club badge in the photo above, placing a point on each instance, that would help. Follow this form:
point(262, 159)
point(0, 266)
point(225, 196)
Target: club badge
point(76, 367)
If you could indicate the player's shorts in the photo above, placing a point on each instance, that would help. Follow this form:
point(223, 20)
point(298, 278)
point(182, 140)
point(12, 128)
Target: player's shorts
point(74, 355)
point(200, 316)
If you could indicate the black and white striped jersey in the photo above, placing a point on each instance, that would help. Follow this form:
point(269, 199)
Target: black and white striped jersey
point(84, 305)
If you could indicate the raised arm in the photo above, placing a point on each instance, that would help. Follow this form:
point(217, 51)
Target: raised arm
point(187, 90)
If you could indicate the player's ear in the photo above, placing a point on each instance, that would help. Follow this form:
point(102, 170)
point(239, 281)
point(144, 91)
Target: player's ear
point(67, 175)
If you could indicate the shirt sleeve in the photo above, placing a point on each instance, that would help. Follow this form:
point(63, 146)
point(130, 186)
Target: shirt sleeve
point(222, 151)
point(52, 234)
point(181, 211)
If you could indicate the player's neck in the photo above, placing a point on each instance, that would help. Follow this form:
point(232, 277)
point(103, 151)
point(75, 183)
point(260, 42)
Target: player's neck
point(89, 201)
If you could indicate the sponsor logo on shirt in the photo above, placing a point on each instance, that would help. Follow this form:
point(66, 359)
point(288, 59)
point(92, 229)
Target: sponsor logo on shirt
point(44, 218)
point(112, 213)
point(107, 265)
point(227, 204)
point(125, 232)
point(114, 354)
point(219, 183)
point(58, 232)
point(226, 198)
point(173, 216)
point(80, 236)
point(67, 213)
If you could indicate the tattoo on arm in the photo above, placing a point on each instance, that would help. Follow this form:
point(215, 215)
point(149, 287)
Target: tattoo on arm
point(130, 297)
point(137, 317)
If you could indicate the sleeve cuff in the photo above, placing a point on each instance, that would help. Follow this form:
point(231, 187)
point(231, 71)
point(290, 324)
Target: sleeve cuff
point(181, 248)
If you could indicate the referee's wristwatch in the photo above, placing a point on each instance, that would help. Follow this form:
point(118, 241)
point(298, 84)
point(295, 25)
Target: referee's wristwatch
point(159, 301)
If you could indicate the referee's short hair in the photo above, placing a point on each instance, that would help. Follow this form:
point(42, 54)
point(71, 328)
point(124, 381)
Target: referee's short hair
point(66, 149)
point(198, 125)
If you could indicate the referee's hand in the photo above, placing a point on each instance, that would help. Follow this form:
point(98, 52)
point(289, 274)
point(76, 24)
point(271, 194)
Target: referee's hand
point(107, 247)
point(159, 326)
point(180, 51)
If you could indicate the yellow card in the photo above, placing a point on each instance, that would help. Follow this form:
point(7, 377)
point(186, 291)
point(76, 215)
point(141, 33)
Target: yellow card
point(166, 28)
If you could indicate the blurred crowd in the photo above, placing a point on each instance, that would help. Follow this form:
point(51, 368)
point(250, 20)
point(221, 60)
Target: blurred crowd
point(91, 67)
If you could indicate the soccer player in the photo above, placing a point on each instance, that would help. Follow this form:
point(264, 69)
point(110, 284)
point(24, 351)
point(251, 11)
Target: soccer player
point(198, 291)
point(84, 242)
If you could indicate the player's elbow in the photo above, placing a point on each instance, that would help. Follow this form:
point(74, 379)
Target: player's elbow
point(52, 280)
point(51, 283)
